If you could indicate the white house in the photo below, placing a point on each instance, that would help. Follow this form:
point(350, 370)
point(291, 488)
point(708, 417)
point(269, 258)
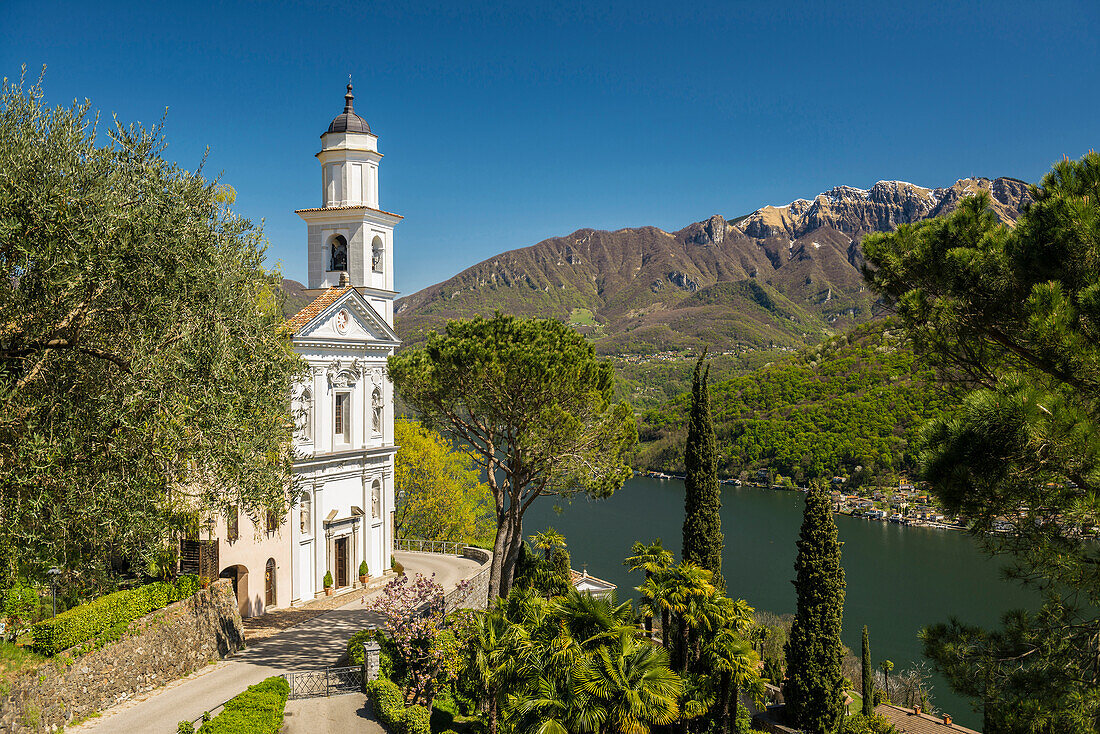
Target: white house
point(344, 442)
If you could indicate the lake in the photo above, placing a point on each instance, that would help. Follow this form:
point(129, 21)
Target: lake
point(899, 578)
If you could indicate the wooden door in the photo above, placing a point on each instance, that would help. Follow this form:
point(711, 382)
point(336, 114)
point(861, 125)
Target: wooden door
point(269, 583)
point(341, 562)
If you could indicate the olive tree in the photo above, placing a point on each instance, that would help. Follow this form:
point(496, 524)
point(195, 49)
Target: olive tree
point(144, 367)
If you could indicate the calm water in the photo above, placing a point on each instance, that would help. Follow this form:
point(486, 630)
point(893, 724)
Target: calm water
point(899, 578)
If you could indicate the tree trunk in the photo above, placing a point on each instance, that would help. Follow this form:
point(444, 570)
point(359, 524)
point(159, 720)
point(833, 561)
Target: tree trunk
point(493, 715)
point(724, 704)
point(664, 628)
point(500, 550)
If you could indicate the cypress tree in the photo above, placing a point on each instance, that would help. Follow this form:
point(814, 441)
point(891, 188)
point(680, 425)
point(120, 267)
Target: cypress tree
point(702, 500)
point(814, 689)
point(868, 676)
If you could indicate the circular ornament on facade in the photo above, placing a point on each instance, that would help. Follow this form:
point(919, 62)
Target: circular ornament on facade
point(342, 320)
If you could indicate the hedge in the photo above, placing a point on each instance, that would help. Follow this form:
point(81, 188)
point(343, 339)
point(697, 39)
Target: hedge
point(86, 621)
point(389, 707)
point(259, 710)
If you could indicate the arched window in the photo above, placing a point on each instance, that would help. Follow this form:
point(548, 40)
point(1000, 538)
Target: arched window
point(376, 499)
point(305, 519)
point(376, 415)
point(377, 255)
point(269, 583)
point(339, 253)
point(306, 426)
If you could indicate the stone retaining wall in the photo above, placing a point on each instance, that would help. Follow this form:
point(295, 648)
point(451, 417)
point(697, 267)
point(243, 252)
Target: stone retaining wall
point(476, 594)
point(164, 645)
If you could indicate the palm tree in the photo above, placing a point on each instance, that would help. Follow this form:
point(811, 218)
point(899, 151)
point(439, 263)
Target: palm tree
point(627, 686)
point(548, 541)
point(691, 589)
point(886, 666)
point(735, 660)
point(493, 657)
point(654, 559)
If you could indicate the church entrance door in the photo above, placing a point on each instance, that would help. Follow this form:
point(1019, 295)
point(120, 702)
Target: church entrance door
point(341, 562)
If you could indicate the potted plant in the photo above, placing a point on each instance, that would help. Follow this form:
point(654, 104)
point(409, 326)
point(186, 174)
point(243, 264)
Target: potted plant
point(364, 572)
point(204, 581)
point(328, 583)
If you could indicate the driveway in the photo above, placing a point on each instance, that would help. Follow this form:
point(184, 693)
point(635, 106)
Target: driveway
point(314, 644)
point(347, 713)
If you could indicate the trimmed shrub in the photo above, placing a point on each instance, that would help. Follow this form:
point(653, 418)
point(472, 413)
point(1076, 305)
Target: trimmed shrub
point(258, 710)
point(363, 569)
point(327, 583)
point(389, 707)
point(388, 703)
point(418, 720)
point(87, 620)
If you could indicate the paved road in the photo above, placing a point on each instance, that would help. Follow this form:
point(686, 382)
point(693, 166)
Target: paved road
point(314, 644)
point(346, 713)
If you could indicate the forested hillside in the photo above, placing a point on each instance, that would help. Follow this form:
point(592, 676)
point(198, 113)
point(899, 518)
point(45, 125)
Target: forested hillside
point(854, 400)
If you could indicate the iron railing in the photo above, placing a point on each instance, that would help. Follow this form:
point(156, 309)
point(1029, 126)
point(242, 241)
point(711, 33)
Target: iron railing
point(446, 547)
point(325, 682)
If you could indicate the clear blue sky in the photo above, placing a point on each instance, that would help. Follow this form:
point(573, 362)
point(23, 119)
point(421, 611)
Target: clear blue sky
point(503, 125)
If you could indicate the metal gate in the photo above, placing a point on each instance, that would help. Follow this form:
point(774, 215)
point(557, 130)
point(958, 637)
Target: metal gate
point(326, 682)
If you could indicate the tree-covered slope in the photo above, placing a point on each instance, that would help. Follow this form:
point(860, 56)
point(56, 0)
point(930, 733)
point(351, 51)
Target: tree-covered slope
point(856, 399)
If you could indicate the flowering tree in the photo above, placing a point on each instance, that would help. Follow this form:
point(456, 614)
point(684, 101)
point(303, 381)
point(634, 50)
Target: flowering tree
point(413, 610)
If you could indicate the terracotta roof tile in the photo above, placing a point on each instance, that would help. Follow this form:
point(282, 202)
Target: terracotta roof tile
point(907, 721)
point(347, 206)
point(319, 304)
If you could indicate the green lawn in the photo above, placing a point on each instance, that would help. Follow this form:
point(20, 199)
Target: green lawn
point(582, 317)
point(14, 659)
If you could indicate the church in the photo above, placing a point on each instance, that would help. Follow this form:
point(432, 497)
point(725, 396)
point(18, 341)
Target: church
point(344, 441)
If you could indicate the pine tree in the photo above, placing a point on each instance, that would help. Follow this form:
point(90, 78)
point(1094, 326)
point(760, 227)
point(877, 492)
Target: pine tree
point(702, 524)
point(814, 689)
point(868, 677)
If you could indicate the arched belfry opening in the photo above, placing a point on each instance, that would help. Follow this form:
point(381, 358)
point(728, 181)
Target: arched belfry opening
point(338, 253)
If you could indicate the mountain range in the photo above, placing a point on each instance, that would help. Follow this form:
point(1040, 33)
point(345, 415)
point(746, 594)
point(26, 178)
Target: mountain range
point(781, 276)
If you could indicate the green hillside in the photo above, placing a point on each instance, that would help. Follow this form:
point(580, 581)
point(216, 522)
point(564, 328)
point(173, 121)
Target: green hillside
point(856, 399)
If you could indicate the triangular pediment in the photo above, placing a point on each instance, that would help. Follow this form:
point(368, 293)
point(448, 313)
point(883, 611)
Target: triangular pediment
point(351, 318)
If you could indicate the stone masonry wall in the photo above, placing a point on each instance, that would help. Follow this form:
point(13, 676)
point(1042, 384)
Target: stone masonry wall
point(476, 595)
point(164, 645)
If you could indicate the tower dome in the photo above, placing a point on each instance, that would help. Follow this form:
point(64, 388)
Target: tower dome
point(348, 121)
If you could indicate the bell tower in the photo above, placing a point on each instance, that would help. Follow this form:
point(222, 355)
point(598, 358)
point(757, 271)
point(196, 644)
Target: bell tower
point(349, 232)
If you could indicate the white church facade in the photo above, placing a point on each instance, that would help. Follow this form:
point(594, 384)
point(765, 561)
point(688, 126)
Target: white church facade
point(344, 442)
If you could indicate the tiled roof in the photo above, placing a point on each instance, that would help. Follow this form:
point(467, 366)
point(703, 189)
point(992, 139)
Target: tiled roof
point(319, 304)
point(908, 721)
point(348, 206)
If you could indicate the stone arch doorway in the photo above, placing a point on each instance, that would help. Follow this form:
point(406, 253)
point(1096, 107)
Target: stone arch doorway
point(238, 574)
point(269, 584)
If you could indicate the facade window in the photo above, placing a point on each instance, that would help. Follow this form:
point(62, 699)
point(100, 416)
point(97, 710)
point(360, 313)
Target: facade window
point(338, 259)
point(376, 500)
point(305, 514)
point(307, 416)
point(232, 527)
point(342, 417)
point(377, 255)
point(376, 410)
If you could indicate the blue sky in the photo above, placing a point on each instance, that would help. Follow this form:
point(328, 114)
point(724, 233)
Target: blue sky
point(505, 124)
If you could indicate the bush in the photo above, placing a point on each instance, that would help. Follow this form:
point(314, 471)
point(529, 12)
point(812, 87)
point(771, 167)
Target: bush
point(363, 569)
point(385, 656)
point(418, 720)
point(259, 710)
point(19, 606)
point(388, 703)
point(114, 610)
point(328, 580)
point(185, 727)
